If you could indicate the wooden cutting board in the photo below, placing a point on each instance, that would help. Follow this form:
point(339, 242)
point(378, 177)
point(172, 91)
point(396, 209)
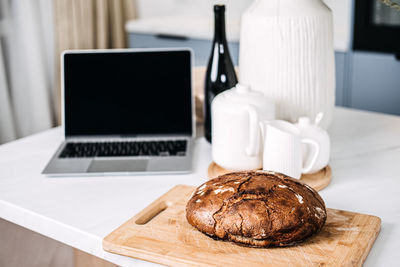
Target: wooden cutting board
point(161, 234)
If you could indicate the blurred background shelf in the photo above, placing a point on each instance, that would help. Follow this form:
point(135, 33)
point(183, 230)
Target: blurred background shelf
point(368, 80)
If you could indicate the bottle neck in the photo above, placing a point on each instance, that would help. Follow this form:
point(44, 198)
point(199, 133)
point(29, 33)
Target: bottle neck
point(219, 26)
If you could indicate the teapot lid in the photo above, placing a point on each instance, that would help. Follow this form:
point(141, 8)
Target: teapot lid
point(308, 128)
point(242, 94)
point(304, 121)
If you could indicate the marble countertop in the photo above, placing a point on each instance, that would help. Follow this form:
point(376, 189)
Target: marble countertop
point(80, 211)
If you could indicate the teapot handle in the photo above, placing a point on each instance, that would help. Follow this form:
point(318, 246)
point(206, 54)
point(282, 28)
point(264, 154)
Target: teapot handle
point(314, 157)
point(253, 147)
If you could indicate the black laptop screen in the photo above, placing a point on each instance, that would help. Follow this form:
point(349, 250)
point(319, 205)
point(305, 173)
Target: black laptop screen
point(127, 93)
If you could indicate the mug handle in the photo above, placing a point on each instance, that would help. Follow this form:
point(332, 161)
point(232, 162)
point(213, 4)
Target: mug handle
point(314, 157)
point(252, 148)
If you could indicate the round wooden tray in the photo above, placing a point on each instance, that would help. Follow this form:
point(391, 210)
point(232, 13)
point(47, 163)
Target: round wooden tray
point(318, 180)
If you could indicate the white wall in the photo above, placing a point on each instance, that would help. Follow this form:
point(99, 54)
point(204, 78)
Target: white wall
point(153, 8)
point(342, 18)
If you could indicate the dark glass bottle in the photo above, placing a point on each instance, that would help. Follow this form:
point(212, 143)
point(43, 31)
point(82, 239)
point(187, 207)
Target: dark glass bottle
point(220, 74)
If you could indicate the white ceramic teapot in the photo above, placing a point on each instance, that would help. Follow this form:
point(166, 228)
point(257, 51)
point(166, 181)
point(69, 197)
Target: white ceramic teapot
point(313, 131)
point(236, 136)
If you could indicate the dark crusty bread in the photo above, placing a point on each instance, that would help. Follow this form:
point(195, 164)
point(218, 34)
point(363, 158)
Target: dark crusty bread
point(256, 208)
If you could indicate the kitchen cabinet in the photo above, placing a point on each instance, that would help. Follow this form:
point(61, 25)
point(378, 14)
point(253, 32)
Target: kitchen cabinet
point(201, 47)
point(340, 62)
point(374, 83)
point(368, 81)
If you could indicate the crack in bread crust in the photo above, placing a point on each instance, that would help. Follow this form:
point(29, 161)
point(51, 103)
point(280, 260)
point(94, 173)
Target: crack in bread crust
point(242, 183)
point(258, 209)
point(237, 198)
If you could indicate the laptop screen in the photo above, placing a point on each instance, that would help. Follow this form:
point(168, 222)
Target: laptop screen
point(128, 93)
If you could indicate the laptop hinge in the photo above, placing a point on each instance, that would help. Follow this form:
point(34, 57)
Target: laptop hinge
point(125, 139)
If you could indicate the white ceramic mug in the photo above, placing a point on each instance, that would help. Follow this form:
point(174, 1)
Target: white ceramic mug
point(283, 149)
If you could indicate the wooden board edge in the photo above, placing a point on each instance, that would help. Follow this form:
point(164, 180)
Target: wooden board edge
point(328, 181)
point(136, 253)
point(377, 228)
point(149, 256)
point(107, 238)
point(357, 260)
point(109, 246)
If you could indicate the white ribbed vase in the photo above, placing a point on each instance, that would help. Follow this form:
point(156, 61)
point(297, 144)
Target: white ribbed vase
point(286, 52)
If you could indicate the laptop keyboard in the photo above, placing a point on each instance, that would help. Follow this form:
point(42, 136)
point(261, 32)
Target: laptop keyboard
point(124, 149)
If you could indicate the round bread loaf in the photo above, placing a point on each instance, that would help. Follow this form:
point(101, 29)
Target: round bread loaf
point(256, 208)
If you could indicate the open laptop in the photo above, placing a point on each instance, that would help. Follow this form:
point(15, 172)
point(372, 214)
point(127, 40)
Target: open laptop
point(126, 111)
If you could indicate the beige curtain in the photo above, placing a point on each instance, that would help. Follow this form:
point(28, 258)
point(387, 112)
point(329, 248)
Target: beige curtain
point(86, 24)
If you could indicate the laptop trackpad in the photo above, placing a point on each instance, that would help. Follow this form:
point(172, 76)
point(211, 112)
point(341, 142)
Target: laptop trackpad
point(121, 165)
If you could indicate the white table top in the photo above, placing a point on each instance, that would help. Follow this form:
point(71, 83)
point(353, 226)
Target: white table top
point(80, 211)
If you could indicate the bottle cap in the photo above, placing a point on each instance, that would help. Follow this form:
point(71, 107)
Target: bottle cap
point(219, 7)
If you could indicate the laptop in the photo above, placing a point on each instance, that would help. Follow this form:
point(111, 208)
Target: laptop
point(126, 111)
